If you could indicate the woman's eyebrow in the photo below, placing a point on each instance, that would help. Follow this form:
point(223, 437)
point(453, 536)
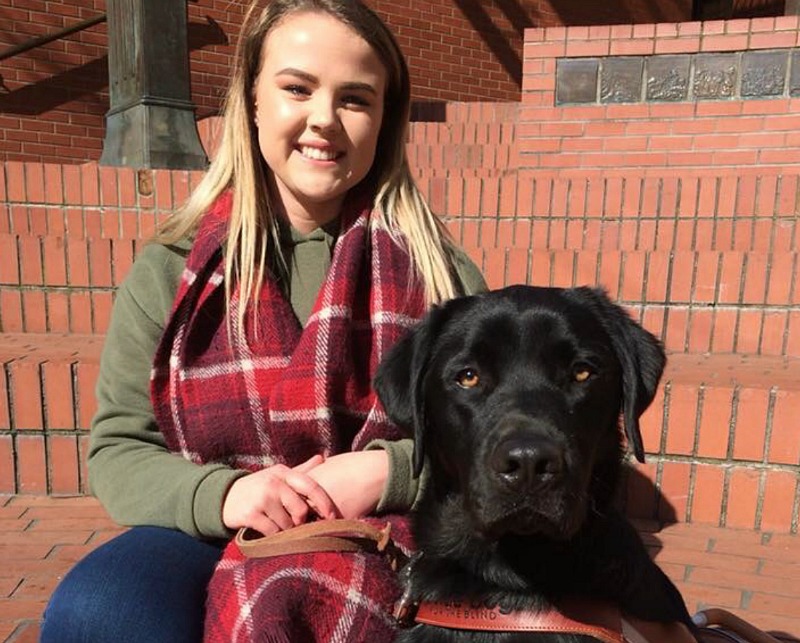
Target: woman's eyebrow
point(351, 86)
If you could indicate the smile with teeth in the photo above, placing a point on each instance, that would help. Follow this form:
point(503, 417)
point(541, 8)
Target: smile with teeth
point(317, 154)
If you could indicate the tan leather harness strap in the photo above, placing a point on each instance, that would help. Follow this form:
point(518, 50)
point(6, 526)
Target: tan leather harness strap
point(601, 621)
point(319, 536)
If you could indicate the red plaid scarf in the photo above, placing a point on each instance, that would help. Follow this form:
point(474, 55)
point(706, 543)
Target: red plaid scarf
point(280, 394)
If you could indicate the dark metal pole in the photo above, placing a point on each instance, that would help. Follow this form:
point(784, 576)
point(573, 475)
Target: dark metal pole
point(151, 122)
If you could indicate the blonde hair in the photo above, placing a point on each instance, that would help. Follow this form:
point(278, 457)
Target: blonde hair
point(238, 165)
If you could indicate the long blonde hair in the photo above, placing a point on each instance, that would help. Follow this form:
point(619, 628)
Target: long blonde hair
point(253, 231)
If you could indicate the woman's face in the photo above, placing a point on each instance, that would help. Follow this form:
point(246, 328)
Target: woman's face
point(319, 106)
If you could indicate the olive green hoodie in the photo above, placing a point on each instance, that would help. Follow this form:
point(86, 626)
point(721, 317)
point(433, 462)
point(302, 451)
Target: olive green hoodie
point(130, 469)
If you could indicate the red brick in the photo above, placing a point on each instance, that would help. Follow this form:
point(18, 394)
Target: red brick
point(80, 312)
point(680, 289)
point(609, 273)
point(633, 277)
point(705, 284)
point(57, 312)
point(682, 416)
point(784, 445)
point(31, 464)
point(15, 179)
point(517, 266)
point(102, 304)
point(63, 463)
point(11, 305)
point(708, 494)
point(755, 279)
point(9, 266)
point(25, 395)
point(657, 276)
point(100, 262)
point(55, 265)
point(750, 429)
point(34, 311)
point(53, 183)
point(725, 324)
point(773, 332)
point(676, 327)
point(715, 423)
point(57, 381)
point(30, 255)
point(674, 487)
point(748, 335)
point(563, 266)
point(7, 468)
point(109, 191)
point(75, 223)
point(742, 499)
point(780, 498)
point(90, 184)
point(586, 268)
point(701, 328)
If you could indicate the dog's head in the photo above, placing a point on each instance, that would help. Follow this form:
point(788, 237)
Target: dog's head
point(515, 396)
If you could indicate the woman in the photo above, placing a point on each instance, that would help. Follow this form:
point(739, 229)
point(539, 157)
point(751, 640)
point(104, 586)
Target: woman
point(234, 387)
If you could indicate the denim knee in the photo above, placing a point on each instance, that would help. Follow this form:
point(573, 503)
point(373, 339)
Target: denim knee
point(148, 584)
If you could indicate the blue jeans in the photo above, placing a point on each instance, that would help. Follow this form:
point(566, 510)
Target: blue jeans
point(147, 584)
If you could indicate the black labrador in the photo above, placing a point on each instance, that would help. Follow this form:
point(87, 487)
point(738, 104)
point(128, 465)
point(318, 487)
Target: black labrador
point(515, 396)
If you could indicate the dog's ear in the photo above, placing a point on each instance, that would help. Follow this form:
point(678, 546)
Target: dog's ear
point(399, 381)
point(642, 359)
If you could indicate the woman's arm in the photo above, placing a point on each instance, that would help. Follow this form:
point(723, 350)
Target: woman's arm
point(130, 469)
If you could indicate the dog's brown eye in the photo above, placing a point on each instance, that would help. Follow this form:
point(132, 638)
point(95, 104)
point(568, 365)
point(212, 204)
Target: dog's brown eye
point(582, 374)
point(468, 378)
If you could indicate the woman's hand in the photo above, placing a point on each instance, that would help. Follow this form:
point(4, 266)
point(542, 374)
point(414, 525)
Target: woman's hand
point(353, 481)
point(277, 498)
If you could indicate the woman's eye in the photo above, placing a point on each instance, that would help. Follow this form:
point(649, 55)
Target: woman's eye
point(468, 378)
point(296, 90)
point(355, 101)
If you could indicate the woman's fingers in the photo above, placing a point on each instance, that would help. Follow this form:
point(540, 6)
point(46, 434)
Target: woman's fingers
point(264, 524)
point(277, 498)
point(313, 493)
point(313, 461)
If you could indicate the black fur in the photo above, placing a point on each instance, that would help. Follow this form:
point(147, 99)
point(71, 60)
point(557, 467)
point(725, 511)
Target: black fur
point(518, 508)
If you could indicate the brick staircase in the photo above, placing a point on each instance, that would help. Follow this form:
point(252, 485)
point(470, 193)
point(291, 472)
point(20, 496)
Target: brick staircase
point(720, 289)
point(699, 244)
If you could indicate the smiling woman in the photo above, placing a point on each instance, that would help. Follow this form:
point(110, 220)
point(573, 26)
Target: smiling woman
point(235, 385)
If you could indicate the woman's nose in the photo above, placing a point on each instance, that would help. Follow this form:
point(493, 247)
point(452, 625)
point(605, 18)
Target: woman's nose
point(323, 115)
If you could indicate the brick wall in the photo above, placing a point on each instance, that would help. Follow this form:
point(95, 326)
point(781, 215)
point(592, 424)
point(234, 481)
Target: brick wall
point(53, 99)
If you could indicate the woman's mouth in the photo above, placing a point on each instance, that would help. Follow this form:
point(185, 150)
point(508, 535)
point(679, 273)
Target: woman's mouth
point(317, 154)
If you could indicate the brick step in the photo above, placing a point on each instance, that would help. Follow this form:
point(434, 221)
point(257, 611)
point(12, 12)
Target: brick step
point(694, 301)
point(703, 300)
point(723, 443)
point(751, 573)
point(722, 440)
point(726, 278)
point(46, 405)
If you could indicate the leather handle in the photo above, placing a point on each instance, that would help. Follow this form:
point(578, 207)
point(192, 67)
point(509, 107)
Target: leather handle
point(323, 535)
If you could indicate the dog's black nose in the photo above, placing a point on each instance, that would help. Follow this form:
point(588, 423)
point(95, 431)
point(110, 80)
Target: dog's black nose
point(522, 461)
